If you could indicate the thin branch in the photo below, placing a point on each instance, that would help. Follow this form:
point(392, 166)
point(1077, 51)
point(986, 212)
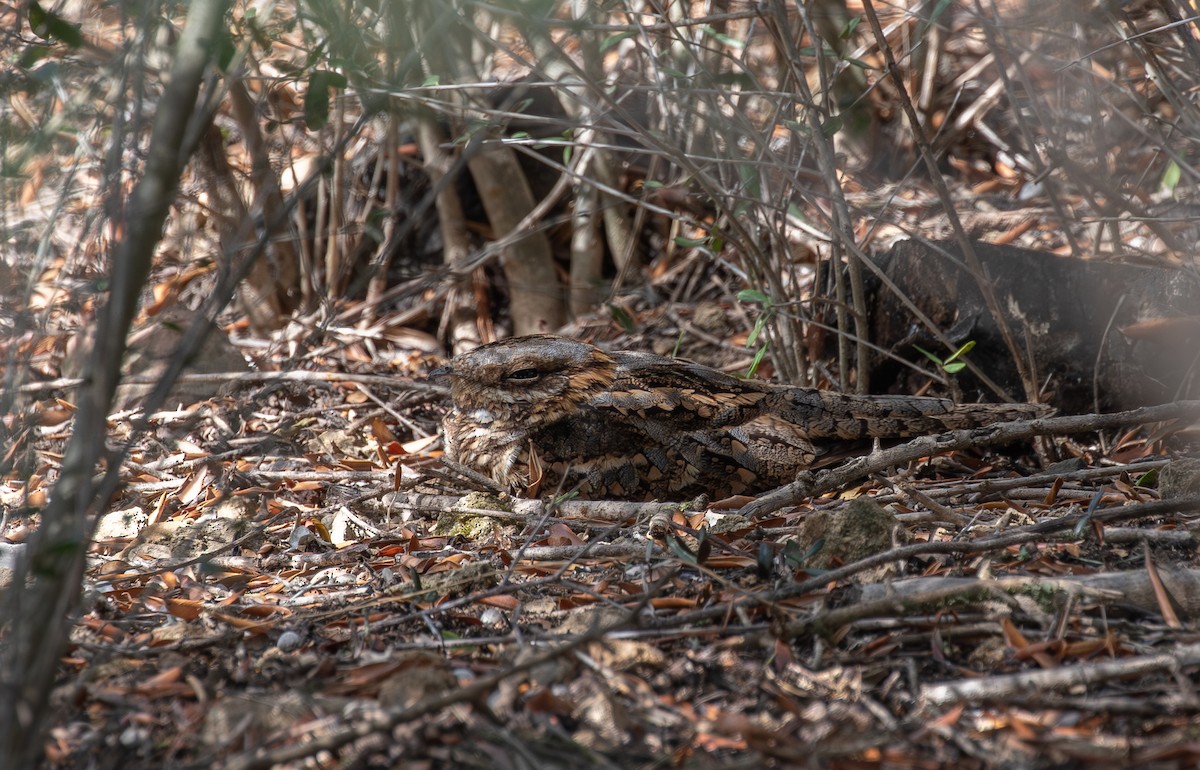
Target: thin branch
point(809, 484)
point(1000, 687)
point(45, 589)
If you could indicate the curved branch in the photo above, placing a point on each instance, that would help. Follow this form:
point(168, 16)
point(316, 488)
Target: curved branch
point(809, 484)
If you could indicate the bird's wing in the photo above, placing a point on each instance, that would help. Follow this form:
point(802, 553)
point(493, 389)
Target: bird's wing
point(682, 395)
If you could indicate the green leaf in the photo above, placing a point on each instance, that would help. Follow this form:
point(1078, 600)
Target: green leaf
point(759, 324)
point(932, 18)
point(851, 25)
point(733, 79)
point(316, 108)
point(316, 97)
point(680, 550)
point(574, 493)
point(689, 242)
point(832, 126)
point(795, 559)
point(703, 546)
point(929, 355)
point(612, 40)
point(1170, 177)
point(722, 38)
point(758, 357)
point(1086, 519)
point(755, 296)
point(431, 81)
point(751, 180)
point(651, 184)
point(967, 348)
point(48, 25)
point(622, 317)
point(797, 126)
point(954, 368)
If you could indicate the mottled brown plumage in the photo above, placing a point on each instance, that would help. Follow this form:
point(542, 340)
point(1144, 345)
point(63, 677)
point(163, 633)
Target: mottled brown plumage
point(542, 412)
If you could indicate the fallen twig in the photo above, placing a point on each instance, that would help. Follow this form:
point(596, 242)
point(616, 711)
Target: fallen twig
point(1015, 537)
point(810, 484)
point(1000, 687)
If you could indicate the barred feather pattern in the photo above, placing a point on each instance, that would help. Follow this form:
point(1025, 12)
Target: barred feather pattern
point(545, 414)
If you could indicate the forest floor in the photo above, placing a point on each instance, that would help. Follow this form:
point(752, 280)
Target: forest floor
point(287, 575)
point(268, 588)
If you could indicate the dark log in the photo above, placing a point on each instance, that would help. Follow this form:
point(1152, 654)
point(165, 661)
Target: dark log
point(1103, 336)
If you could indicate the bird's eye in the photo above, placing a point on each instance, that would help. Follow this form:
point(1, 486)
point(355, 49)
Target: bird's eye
point(524, 374)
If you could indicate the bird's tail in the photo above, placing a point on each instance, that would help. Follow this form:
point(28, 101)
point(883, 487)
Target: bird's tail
point(827, 414)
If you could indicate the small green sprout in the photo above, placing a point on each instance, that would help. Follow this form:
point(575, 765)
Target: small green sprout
point(760, 323)
point(950, 365)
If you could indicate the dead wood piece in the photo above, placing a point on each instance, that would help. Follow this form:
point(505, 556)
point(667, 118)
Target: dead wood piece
point(1000, 688)
point(1129, 588)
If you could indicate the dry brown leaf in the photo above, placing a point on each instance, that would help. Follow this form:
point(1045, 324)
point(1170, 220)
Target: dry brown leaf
point(188, 609)
point(1166, 605)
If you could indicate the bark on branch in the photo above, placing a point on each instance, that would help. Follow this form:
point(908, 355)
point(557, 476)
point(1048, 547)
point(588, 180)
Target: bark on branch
point(40, 605)
point(810, 484)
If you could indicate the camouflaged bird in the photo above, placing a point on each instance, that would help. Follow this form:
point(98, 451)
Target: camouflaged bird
point(545, 413)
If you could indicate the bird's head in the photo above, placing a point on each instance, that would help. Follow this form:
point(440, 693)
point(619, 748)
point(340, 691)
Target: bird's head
point(533, 380)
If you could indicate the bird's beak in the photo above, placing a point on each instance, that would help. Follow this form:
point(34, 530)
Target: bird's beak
point(441, 371)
